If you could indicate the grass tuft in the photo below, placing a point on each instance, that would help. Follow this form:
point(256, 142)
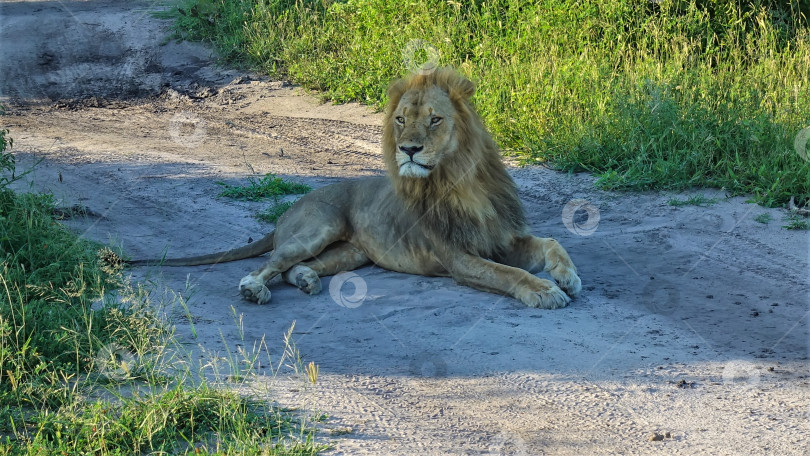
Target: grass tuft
point(763, 218)
point(269, 186)
point(271, 214)
point(796, 222)
point(696, 200)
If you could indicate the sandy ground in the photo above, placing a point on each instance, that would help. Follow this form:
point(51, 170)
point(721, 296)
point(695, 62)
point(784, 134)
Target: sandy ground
point(693, 321)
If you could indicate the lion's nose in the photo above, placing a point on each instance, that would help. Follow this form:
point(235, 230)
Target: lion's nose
point(411, 150)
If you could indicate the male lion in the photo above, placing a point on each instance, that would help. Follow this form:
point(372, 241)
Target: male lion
point(447, 208)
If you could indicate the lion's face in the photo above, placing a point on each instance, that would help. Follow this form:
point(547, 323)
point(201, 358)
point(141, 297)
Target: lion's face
point(423, 131)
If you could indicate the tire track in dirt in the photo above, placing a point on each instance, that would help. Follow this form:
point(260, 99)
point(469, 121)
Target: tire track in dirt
point(586, 407)
point(386, 416)
point(341, 139)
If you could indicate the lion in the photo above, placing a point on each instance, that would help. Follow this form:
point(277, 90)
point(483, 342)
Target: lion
point(447, 207)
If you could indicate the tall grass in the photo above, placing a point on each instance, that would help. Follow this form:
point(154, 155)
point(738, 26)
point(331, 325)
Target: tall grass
point(645, 94)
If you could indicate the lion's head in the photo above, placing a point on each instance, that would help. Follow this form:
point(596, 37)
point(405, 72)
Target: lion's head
point(443, 163)
point(426, 119)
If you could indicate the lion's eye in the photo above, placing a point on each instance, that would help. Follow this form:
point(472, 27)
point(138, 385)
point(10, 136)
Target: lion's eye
point(400, 120)
point(435, 120)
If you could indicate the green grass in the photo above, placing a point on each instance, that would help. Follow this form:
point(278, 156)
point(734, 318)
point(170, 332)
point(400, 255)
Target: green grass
point(796, 222)
point(696, 200)
point(49, 279)
point(646, 95)
point(201, 420)
point(268, 186)
point(271, 214)
point(89, 366)
point(763, 218)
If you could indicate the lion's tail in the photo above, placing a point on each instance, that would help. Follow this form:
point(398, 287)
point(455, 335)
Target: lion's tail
point(253, 249)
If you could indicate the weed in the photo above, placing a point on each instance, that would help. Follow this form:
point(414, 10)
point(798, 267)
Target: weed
point(697, 200)
point(646, 95)
point(269, 186)
point(271, 214)
point(763, 218)
point(796, 222)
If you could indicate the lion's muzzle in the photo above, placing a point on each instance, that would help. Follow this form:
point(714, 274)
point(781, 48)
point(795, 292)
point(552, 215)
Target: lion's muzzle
point(411, 150)
point(408, 165)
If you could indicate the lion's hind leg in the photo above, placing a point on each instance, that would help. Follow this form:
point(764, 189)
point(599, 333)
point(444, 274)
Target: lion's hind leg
point(534, 254)
point(305, 241)
point(304, 278)
point(340, 256)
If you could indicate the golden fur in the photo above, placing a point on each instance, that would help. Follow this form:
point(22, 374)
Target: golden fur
point(469, 199)
point(447, 208)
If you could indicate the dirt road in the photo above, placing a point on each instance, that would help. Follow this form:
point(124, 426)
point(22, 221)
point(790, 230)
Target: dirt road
point(693, 322)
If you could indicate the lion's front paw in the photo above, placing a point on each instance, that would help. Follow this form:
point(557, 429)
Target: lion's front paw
point(253, 290)
point(306, 279)
point(568, 280)
point(545, 296)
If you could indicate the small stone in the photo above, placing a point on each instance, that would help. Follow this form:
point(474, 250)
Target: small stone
point(656, 437)
point(341, 431)
point(668, 435)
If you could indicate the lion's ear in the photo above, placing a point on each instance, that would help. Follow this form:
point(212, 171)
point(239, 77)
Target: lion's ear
point(463, 88)
point(396, 89)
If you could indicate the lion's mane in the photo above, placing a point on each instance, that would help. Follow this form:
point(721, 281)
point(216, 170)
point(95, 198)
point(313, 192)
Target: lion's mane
point(468, 200)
